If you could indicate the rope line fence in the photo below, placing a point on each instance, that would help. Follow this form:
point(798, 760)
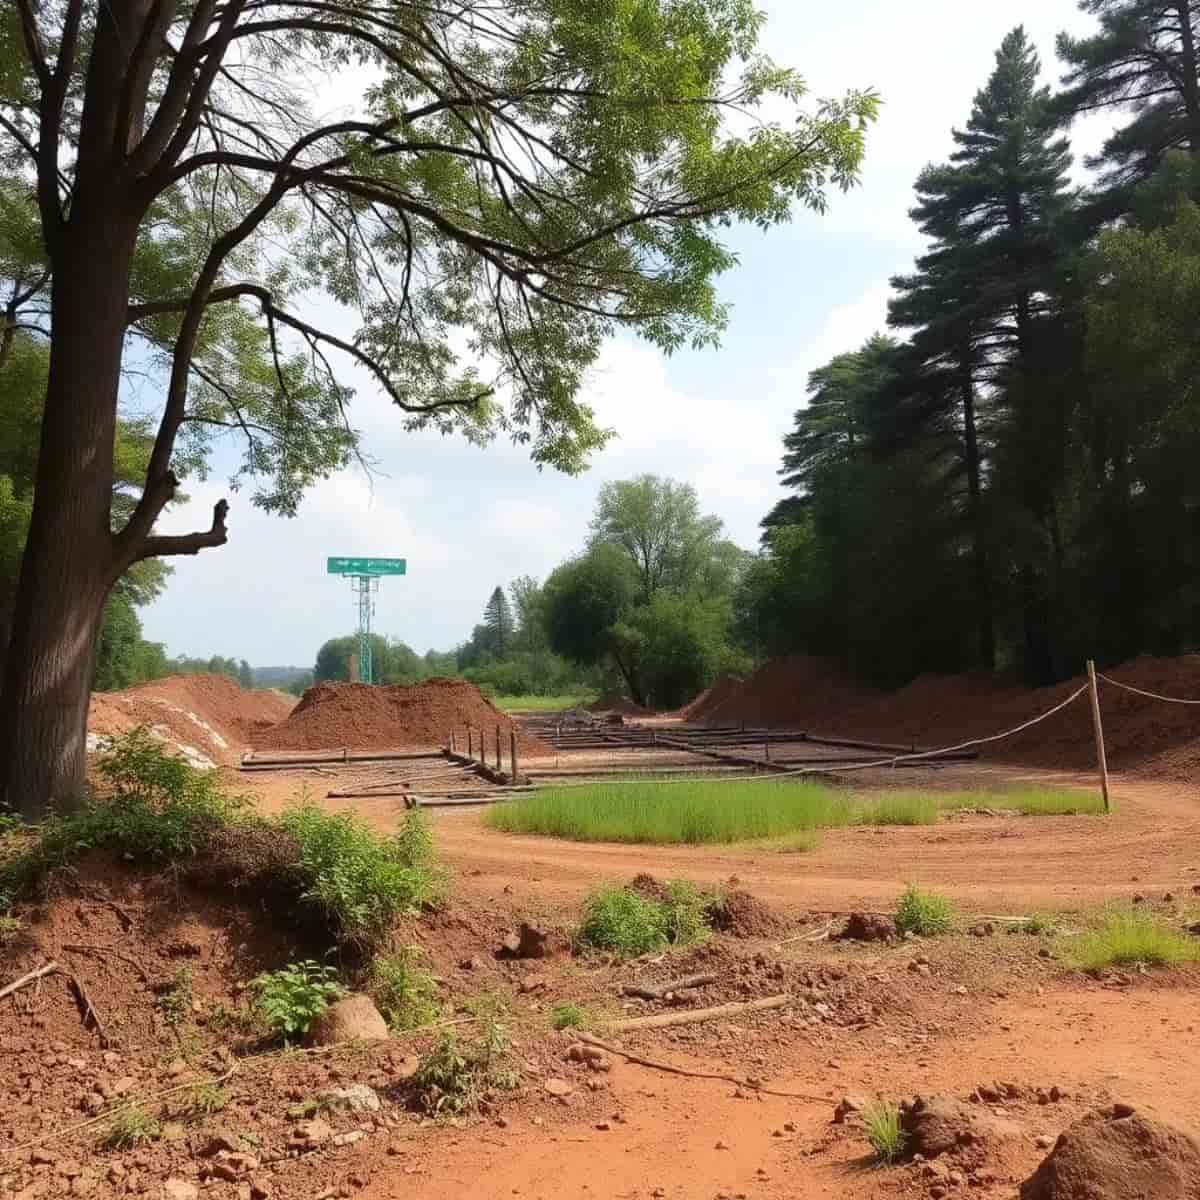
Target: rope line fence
point(1128, 687)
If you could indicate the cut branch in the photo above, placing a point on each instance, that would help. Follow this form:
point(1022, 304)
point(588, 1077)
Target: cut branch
point(188, 543)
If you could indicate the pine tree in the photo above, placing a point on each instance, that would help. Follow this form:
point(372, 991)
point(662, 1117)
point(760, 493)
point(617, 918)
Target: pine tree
point(979, 302)
point(1144, 59)
point(497, 618)
point(245, 675)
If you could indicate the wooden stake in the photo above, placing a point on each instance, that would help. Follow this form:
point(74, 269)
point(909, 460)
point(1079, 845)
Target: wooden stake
point(470, 742)
point(512, 749)
point(1098, 726)
point(497, 747)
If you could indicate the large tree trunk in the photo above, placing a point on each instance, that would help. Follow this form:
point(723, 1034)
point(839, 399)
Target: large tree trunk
point(1188, 74)
point(69, 565)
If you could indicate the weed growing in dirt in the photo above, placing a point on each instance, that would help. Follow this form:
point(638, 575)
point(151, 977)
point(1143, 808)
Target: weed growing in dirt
point(456, 1074)
point(1127, 937)
point(1029, 801)
point(405, 992)
point(881, 1119)
point(291, 998)
point(362, 882)
point(175, 998)
point(9, 928)
point(924, 913)
point(628, 923)
point(155, 807)
point(129, 1127)
point(569, 1015)
point(1040, 924)
point(203, 1100)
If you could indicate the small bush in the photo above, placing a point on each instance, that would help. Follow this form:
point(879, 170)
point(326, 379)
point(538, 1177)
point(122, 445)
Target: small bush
point(405, 992)
point(454, 1076)
point(130, 1126)
point(626, 922)
point(362, 882)
point(1128, 937)
point(569, 1015)
point(881, 1119)
point(9, 928)
point(155, 806)
point(203, 1100)
point(924, 913)
point(1039, 924)
point(175, 999)
point(291, 998)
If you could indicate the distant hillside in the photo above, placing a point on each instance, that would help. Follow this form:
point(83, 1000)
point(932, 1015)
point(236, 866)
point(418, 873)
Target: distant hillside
point(280, 677)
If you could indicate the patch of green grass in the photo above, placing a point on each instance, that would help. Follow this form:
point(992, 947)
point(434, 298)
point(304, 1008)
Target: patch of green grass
point(175, 998)
point(1028, 801)
point(569, 1015)
point(361, 882)
point(543, 703)
point(455, 1074)
point(10, 926)
point(1126, 937)
point(405, 991)
point(1040, 924)
point(696, 812)
point(130, 1126)
point(881, 1120)
point(628, 923)
point(292, 998)
point(896, 808)
point(925, 913)
point(203, 1100)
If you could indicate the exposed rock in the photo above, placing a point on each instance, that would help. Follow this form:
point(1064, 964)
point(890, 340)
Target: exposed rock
point(868, 927)
point(353, 1018)
point(308, 1135)
point(937, 1124)
point(358, 1097)
point(1118, 1154)
point(846, 1106)
point(179, 1189)
point(557, 1087)
point(530, 941)
point(213, 1141)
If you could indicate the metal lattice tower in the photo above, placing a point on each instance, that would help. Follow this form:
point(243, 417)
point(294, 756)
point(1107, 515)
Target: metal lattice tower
point(365, 587)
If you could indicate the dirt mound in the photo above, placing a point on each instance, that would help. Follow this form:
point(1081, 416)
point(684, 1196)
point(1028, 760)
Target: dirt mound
point(359, 716)
point(797, 692)
point(209, 719)
point(742, 915)
point(868, 927)
point(940, 1125)
point(724, 688)
point(1118, 1154)
point(619, 704)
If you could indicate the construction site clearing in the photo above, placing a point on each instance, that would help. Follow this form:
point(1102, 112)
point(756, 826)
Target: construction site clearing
point(739, 1067)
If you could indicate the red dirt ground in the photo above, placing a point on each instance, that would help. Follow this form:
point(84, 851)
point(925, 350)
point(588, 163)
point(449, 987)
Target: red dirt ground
point(210, 713)
point(723, 688)
point(1151, 738)
point(359, 716)
point(619, 704)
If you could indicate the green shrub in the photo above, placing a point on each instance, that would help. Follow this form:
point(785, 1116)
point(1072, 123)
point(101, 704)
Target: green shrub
point(291, 998)
point(569, 1015)
point(881, 1119)
point(362, 882)
point(924, 913)
point(454, 1076)
point(626, 922)
point(405, 992)
point(155, 807)
point(1133, 936)
point(9, 928)
point(203, 1100)
point(175, 999)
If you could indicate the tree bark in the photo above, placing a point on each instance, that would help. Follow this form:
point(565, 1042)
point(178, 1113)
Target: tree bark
point(68, 566)
point(1188, 74)
point(979, 556)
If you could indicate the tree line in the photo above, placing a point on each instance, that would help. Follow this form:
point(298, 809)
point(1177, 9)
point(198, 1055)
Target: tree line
point(1006, 479)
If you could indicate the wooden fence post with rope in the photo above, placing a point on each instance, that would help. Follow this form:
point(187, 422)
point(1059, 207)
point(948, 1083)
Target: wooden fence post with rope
point(1098, 727)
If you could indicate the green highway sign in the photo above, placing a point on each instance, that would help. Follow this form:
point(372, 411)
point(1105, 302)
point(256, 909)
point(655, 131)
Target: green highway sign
point(367, 566)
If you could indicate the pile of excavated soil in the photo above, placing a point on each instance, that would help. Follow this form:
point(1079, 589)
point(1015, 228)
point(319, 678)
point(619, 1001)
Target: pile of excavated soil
point(619, 704)
point(1154, 738)
point(798, 691)
point(724, 688)
point(359, 716)
point(209, 719)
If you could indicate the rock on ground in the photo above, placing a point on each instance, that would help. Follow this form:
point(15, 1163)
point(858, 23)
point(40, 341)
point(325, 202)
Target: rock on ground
point(868, 927)
point(353, 1018)
point(938, 1124)
point(1118, 1154)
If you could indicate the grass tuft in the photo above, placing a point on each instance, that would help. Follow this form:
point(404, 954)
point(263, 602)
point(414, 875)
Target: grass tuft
point(881, 1119)
point(924, 913)
point(569, 1015)
point(1125, 938)
point(897, 808)
point(130, 1126)
point(405, 992)
point(1028, 801)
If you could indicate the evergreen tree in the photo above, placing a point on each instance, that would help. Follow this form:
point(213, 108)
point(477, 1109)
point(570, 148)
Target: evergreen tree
point(245, 675)
point(980, 302)
point(1143, 58)
point(498, 620)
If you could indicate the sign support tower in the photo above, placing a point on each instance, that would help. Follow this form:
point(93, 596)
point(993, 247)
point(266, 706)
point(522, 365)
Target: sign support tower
point(364, 574)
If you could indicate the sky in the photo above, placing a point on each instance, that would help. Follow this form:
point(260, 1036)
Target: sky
point(467, 519)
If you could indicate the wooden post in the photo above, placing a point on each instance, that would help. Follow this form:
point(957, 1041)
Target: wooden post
point(497, 747)
point(512, 749)
point(470, 742)
point(767, 749)
point(453, 745)
point(1098, 726)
